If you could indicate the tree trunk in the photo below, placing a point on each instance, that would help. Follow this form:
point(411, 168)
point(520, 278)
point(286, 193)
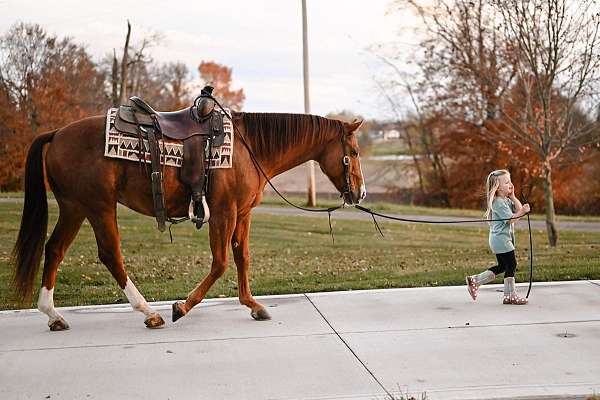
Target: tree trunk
point(437, 164)
point(419, 173)
point(33, 118)
point(412, 150)
point(115, 80)
point(549, 200)
point(124, 68)
point(135, 80)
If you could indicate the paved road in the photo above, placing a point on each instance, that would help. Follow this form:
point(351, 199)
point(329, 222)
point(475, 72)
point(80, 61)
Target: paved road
point(377, 344)
point(354, 214)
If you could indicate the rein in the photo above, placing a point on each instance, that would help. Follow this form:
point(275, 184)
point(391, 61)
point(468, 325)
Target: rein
point(258, 166)
point(260, 169)
point(375, 213)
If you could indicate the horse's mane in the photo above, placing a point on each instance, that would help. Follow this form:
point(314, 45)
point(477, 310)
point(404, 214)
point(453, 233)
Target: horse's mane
point(272, 133)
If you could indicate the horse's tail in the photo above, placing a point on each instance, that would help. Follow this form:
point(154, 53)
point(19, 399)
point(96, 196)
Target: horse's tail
point(28, 250)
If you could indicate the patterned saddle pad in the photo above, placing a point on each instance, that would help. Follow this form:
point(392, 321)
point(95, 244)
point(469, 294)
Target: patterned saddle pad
point(119, 145)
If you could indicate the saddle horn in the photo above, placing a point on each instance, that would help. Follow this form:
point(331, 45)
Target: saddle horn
point(204, 103)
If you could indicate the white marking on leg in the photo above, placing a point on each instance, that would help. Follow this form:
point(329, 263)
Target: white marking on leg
point(363, 186)
point(137, 301)
point(46, 305)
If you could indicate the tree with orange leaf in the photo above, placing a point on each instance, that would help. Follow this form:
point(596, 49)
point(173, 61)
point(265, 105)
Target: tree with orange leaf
point(45, 82)
point(517, 77)
point(219, 77)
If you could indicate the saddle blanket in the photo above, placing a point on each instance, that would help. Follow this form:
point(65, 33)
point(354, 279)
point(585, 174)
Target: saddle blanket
point(118, 145)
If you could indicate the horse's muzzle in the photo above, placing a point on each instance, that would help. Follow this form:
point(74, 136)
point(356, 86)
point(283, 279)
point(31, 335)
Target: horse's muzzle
point(356, 196)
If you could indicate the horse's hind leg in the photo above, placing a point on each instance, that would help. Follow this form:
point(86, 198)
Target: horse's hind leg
point(109, 251)
point(69, 222)
point(241, 255)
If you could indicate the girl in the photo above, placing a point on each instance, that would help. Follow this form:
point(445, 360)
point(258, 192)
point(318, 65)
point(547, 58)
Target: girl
point(501, 204)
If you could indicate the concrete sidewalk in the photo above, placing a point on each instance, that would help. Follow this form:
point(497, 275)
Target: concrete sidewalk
point(346, 345)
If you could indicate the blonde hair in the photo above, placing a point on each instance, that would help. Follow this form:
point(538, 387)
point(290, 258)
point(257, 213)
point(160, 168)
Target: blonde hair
point(491, 186)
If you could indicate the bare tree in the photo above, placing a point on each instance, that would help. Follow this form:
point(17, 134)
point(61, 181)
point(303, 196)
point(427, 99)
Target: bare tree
point(139, 62)
point(463, 71)
point(24, 51)
point(114, 80)
point(522, 72)
point(169, 85)
point(558, 58)
point(177, 83)
point(45, 82)
point(417, 131)
point(406, 130)
point(466, 66)
point(133, 75)
point(124, 67)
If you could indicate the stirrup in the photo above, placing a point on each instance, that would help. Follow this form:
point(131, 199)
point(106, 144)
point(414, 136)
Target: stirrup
point(199, 215)
point(472, 287)
point(513, 298)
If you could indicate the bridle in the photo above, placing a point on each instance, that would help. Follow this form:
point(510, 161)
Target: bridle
point(347, 191)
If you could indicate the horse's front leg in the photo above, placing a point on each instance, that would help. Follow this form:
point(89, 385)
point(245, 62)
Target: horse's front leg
point(221, 230)
point(241, 254)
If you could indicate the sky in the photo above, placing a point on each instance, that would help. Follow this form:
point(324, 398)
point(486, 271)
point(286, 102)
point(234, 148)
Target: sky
point(261, 40)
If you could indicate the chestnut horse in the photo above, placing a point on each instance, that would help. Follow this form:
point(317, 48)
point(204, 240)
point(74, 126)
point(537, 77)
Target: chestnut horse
point(88, 185)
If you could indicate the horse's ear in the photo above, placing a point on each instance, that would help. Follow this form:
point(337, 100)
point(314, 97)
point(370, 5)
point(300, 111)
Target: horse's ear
point(353, 126)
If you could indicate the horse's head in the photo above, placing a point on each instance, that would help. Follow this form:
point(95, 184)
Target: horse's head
point(340, 161)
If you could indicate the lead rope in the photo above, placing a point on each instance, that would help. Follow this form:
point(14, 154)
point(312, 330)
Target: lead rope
point(257, 164)
point(374, 213)
point(530, 249)
point(367, 210)
point(530, 257)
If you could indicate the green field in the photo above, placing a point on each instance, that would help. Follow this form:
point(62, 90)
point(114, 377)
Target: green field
point(293, 255)
point(389, 148)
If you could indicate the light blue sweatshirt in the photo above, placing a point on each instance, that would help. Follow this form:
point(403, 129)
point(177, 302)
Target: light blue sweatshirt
point(502, 233)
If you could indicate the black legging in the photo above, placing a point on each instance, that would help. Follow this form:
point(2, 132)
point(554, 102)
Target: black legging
point(507, 263)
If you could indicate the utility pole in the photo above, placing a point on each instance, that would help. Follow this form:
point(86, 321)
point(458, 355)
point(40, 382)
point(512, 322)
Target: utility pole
point(312, 195)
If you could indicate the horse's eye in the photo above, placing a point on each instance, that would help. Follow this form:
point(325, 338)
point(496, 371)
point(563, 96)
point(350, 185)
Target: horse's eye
point(354, 153)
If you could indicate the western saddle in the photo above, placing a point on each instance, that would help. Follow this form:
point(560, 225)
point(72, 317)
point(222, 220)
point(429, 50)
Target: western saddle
point(199, 127)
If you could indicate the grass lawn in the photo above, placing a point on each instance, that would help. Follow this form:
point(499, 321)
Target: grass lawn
point(293, 255)
point(389, 148)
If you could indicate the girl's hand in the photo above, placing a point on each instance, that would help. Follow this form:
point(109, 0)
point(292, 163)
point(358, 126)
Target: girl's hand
point(526, 208)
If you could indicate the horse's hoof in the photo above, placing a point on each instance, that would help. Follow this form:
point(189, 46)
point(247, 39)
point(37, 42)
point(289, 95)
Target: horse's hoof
point(154, 321)
point(260, 315)
point(178, 310)
point(58, 325)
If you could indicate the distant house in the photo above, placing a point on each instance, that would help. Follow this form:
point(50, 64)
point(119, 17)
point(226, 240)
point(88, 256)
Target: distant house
point(390, 134)
point(386, 135)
